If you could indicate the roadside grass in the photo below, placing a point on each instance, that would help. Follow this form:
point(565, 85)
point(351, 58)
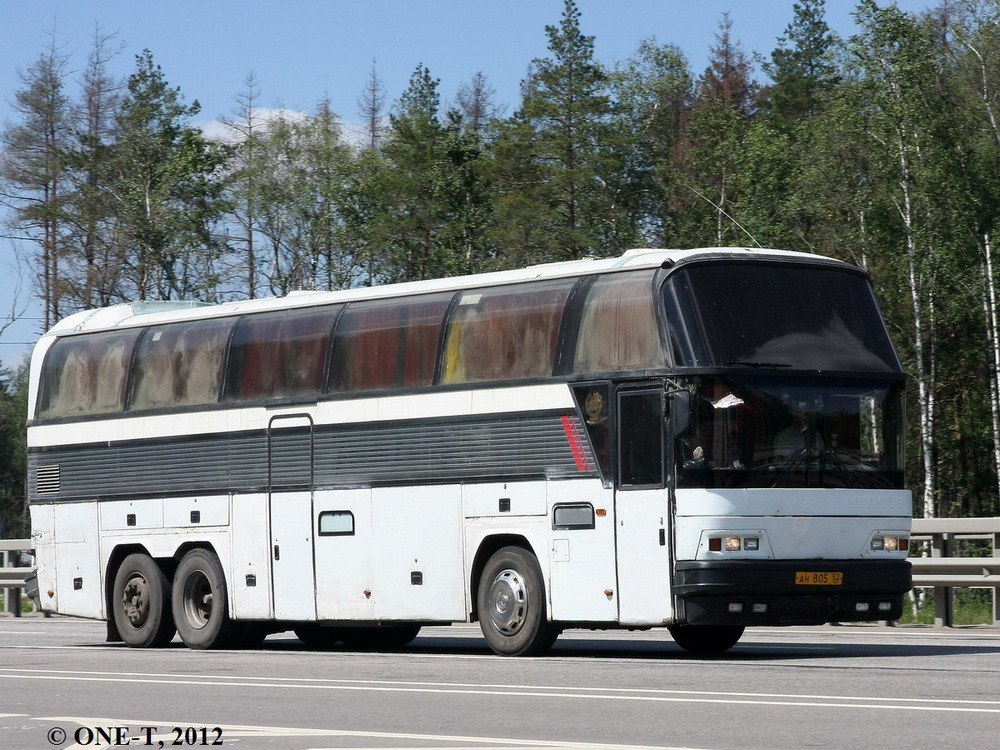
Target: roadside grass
point(973, 606)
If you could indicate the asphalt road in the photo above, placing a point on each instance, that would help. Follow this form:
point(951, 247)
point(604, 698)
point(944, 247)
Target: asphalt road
point(830, 687)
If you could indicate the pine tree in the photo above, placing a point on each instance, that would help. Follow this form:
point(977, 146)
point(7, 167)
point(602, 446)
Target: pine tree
point(33, 170)
point(165, 197)
point(94, 273)
point(720, 123)
point(803, 67)
point(564, 121)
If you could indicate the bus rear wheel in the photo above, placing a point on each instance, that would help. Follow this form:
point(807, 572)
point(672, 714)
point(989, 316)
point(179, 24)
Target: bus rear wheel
point(141, 603)
point(201, 602)
point(511, 604)
point(706, 639)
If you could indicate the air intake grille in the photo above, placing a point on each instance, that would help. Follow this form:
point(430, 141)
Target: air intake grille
point(47, 480)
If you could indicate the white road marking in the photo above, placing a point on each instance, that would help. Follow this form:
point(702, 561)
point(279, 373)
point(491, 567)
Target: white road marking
point(607, 694)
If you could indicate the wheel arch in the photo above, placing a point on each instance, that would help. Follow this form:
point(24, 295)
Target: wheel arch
point(167, 564)
point(488, 547)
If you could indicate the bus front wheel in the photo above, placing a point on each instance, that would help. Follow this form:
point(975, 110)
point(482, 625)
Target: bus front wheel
point(511, 604)
point(706, 639)
point(141, 603)
point(201, 602)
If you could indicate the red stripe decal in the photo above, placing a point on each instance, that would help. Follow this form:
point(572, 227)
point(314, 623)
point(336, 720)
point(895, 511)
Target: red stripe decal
point(573, 436)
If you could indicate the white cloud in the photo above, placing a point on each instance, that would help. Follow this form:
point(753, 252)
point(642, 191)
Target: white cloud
point(217, 130)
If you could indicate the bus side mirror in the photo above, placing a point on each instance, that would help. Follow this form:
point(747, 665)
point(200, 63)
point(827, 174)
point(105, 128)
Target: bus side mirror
point(680, 413)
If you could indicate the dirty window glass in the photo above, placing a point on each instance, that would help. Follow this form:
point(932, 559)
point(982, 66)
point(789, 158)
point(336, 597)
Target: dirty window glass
point(618, 329)
point(387, 343)
point(86, 374)
point(279, 355)
point(180, 364)
point(505, 332)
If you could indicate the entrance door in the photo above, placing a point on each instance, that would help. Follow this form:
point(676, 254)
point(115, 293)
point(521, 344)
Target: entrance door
point(642, 511)
point(290, 504)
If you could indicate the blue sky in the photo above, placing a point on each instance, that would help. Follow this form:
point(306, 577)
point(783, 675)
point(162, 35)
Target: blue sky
point(304, 50)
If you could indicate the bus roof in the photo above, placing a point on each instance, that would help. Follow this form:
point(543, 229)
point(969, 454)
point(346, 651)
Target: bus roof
point(153, 312)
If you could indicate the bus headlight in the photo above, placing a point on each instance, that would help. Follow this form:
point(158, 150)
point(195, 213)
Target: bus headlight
point(733, 543)
point(883, 543)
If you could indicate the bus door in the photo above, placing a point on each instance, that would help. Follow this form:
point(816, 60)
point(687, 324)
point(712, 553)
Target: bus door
point(642, 510)
point(290, 511)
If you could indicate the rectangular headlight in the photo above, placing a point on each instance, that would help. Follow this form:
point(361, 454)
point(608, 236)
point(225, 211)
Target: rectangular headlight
point(732, 544)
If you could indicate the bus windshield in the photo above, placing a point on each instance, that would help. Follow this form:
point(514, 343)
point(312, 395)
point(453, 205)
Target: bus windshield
point(793, 432)
point(768, 315)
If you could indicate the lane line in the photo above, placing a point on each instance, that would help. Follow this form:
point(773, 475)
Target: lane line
point(802, 703)
point(474, 687)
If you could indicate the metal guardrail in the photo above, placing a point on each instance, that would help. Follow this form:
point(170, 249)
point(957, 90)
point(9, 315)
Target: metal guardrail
point(13, 577)
point(946, 573)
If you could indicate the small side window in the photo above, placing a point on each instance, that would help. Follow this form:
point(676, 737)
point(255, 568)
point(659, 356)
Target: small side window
point(336, 523)
point(573, 516)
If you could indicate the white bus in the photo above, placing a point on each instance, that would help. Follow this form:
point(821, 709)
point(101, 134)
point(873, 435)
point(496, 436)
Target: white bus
point(699, 440)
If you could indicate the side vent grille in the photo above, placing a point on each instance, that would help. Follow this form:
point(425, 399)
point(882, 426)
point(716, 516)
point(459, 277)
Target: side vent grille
point(47, 480)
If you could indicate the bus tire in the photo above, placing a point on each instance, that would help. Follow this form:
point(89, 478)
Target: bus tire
point(706, 639)
point(317, 636)
point(140, 603)
point(511, 604)
point(201, 602)
point(376, 638)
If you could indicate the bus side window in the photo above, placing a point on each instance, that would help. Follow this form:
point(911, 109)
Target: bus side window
point(640, 453)
point(279, 355)
point(387, 343)
point(85, 375)
point(180, 364)
point(506, 332)
point(618, 328)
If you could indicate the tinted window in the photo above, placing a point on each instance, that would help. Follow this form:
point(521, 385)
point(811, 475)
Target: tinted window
point(505, 332)
point(641, 425)
point(755, 431)
point(279, 355)
point(618, 329)
point(180, 364)
point(387, 343)
point(86, 374)
point(764, 314)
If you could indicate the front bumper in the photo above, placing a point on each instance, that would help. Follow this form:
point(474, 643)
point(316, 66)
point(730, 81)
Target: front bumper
point(765, 592)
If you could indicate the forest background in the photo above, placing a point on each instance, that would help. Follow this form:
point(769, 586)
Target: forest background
point(882, 149)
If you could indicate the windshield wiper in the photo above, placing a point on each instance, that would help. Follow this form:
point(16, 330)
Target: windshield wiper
point(747, 363)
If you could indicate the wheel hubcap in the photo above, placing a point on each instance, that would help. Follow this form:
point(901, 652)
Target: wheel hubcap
point(508, 602)
point(135, 600)
point(198, 598)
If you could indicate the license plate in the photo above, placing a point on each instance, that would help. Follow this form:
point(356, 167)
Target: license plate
point(813, 578)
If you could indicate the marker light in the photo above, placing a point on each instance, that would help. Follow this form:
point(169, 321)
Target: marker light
point(751, 544)
point(715, 544)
